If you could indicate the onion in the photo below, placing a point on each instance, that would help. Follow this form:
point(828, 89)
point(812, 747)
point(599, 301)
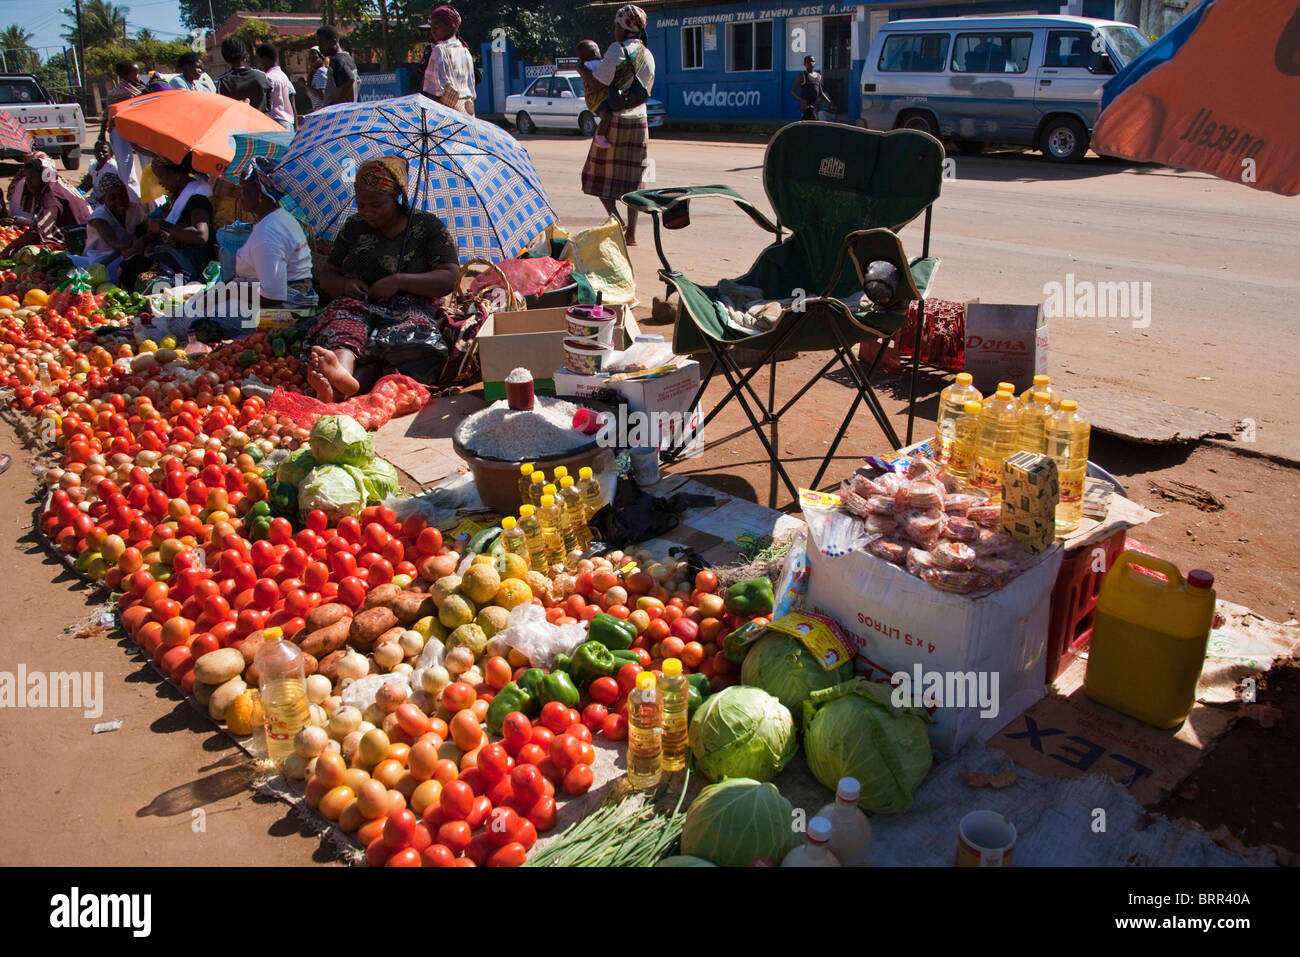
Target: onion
point(388, 654)
point(316, 715)
point(52, 477)
point(472, 677)
point(458, 660)
point(404, 668)
point(348, 746)
point(310, 741)
point(295, 767)
point(434, 679)
point(332, 747)
point(97, 459)
point(367, 724)
point(353, 665)
point(390, 695)
point(411, 643)
point(345, 720)
point(318, 688)
point(69, 480)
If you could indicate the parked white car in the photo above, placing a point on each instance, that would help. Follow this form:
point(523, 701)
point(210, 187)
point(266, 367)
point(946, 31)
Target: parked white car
point(557, 102)
point(56, 128)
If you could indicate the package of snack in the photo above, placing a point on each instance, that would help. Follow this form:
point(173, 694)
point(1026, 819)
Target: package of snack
point(998, 571)
point(986, 515)
point(865, 487)
point(890, 551)
point(882, 505)
point(918, 561)
point(922, 526)
point(993, 544)
point(920, 495)
point(961, 529)
point(890, 483)
point(954, 556)
point(957, 582)
point(962, 502)
point(881, 525)
point(852, 502)
point(921, 466)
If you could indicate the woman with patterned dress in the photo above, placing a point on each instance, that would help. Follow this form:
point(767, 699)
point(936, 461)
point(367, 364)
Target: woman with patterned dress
point(389, 269)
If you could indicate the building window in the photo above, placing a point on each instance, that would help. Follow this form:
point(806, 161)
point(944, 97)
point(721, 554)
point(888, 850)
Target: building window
point(749, 46)
point(991, 52)
point(914, 53)
point(692, 48)
point(837, 43)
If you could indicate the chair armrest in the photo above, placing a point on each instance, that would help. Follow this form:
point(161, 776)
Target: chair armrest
point(655, 201)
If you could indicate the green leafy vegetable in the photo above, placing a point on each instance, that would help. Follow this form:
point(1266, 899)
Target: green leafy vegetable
point(334, 489)
point(340, 440)
point(742, 732)
point(738, 822)
point(782, 666)
point(295, 468)
point(380, 478)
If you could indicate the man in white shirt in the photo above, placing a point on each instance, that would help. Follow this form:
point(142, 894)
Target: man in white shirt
point(191, 75)
point(280, 107)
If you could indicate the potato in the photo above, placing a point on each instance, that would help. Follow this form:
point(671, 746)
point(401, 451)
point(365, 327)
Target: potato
point(393, 634)
point(437, 566)
point(328, 665)
point(383, 595)
point(325, 641)
point(224, 696)
point(369, 625)
point(218, 667)
point(411, 606)
point(203, 693)
point(309, 664)
point(251, 645)
point(322, 616)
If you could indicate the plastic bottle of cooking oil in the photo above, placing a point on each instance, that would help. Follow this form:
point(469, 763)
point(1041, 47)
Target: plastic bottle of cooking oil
point(43, 376)
point(815, 850)
point(1033, 423)
point(535, 486)
point(560, 472)
point(533, 537)
point(525, 481)
point(549, 517)
point(1042, 383)
point(1067, 443)
point(575, 514)
point(513, 539)
point(283, 689)
point(589, 489)
point(850, 829)
point(676, 695)
point(999, 437)
point(568, 532)
point(952, 402)
point(965, 434)
point(644, 733)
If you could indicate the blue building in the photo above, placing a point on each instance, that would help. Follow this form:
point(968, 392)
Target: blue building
point(737, 62)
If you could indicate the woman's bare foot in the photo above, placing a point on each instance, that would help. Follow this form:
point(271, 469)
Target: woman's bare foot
point(337, 380)
point(316, 378)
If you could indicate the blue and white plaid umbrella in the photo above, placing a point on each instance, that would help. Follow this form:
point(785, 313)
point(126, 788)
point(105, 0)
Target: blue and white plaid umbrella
point(249, 146)
point(471, 174)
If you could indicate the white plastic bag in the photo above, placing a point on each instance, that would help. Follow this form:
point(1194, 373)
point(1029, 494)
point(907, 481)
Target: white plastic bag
point(360, 694)
point(433, 655)
point(529, 633)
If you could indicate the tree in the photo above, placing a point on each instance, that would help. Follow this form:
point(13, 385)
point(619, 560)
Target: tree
point(144, 35)
point(253, 32)
point(101, 22)
point(194, 13)
point(18, 52)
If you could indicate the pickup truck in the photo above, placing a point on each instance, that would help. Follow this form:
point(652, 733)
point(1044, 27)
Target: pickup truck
point(56, 128)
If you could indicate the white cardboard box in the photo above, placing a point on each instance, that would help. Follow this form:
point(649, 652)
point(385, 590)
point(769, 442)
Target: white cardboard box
point(1005, 343)
point(660, 404)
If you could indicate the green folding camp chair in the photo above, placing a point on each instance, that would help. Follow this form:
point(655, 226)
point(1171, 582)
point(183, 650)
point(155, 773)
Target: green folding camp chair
point(841, 194)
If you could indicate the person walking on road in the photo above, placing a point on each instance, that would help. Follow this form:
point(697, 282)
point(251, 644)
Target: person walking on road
point(449, 73)
point(619, 168)
point(808, 89)
point(341, 82)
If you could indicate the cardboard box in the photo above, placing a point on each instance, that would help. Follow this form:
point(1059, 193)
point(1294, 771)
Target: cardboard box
point(663, 400)
point(533, 339)
point(1029, 495)
point(1005, 343)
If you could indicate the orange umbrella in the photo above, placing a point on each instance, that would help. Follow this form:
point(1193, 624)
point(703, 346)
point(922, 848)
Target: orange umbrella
point(176, 122)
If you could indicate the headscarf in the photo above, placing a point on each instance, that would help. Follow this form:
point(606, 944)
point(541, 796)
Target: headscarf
point(50, 177)
point(259, 171)
point(446, 16)
point(384, 174)
point(109, 181)
point(632, 19)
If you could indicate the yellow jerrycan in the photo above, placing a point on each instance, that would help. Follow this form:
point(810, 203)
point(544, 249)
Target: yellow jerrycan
point(1149, 639)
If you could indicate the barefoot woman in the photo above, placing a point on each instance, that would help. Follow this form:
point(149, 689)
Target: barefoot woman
point(389, 268)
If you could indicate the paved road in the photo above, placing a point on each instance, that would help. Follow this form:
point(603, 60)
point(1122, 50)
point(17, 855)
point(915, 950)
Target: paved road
point(1222, 262)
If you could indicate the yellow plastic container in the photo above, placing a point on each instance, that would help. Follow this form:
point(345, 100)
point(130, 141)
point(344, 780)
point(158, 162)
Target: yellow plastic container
point(1149, 638)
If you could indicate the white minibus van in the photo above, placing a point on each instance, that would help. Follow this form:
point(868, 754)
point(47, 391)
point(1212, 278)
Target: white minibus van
point(1011, 81)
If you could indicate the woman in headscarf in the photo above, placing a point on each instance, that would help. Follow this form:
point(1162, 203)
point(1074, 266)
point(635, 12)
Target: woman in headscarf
point(389, 268)
point(112, 232)
point(43, 203)
point(619, 168)
point(449, 70)
point(275, 255)
point(186, 241)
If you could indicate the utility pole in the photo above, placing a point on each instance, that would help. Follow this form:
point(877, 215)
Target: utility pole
point(383, 31)
point(81, 45)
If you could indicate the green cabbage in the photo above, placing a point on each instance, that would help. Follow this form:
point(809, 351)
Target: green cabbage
point(295, 468)
point(380, 479)
point(340, 440)
point(782, 666)
point(739, 821)
point(684, 860)
point(855, 731)
point(742, 732)
point(336, 490)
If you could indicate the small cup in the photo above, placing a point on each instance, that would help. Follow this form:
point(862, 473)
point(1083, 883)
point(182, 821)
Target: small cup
point(645, 465)
point(985, 839)
point(584, 356)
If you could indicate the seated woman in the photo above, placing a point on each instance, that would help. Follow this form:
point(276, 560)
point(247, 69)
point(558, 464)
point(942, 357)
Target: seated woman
point(43, 203)
point(388, 269)
point(276, 254)
point(186, 241)
point(113, 229)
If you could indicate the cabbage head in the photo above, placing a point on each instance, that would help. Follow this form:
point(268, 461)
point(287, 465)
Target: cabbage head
point(380, 479)
point(742, 732)
point(739, 821)
point(782, 666)
point(684, 860)
point(340, 440)
point(854, 730)
point(296, 466)
point(336, 490)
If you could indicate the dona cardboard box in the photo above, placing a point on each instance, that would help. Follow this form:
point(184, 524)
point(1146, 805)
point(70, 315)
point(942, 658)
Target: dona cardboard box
point(1005, 343)
point(532, 339)
point(658, 409)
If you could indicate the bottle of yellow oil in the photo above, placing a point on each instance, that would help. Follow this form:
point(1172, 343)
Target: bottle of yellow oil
point(575, 516)
point(589, 489)
point(965, 434)
point(533, 537)
point(549, 517)
point(644, 733)
point(525, 481)
point(1033, 423)
point(952, 402)
point(560, 472)
point(1067, 443)
point(535, 486)
point(676, 696)
point(1149, 638)
point(999, 437)
point(513, 539)
point(283, 689)
point(1042, 383)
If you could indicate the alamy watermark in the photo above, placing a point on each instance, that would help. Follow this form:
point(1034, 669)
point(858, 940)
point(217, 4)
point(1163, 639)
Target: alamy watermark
point(75, 910)
point(1085, 299)
point(638, 430)
point(233, 300)
point(946, 689)
point(54, 689)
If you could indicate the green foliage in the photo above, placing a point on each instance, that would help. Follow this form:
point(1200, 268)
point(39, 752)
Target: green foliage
point(253, 32)
point(102, 22)
point(194, 13)
point(150, 54)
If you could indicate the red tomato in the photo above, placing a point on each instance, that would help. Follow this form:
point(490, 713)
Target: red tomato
point(528, 784)
point(429, 541)
point(542, 814)
point(399, 829)
point(566, 750)
point(603, 691)
point(578, 779)
point(627, 677)
point(479, 850)
point(456, 835)
point(580, 731)
point(479, 812)
point(526, 834)
point(516, 731)
point(493, 762)
point(380, 573)
point(378, 853)
point(203, 644)
point(685, 629)
point(511, 855)
point(438, 855)
point(502, 826)
point(593, 716)
point(615, 727)
point(457, 801)
point(352, 591)
point(317, 521)
point(531, 754)
point(406, 857)
point(555, 716)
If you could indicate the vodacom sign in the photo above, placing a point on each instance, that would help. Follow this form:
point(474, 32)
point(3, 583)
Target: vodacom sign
point(715, 97)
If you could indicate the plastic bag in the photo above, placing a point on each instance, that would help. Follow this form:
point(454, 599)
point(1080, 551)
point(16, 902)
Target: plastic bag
point(529, 277)
point(417, 351)
point(640, 356)
point(922, 527)
point(892, 552)
point(793, 583)
point(434, 653)
point(528, 632)
point(360, 694)
point(439, 505)
point(954, 556)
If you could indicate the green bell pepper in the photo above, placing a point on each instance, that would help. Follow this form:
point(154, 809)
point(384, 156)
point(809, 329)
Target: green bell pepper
point(614, 633)
point(247, 358)
point(283, 499)
point(694, 700)
point(751, 597)
point(508, 699)
point(625, 656)
point(592, 660)
point(259, 528)
point(700, 683)
point(531, 681)
point(563, 663)
point(558, 686)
